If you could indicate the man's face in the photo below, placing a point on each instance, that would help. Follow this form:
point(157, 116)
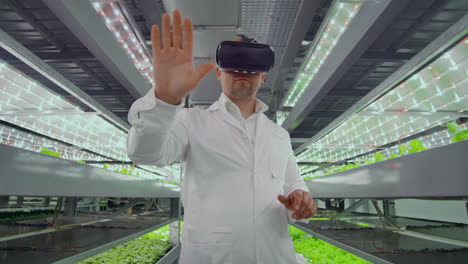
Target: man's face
point(240, 85)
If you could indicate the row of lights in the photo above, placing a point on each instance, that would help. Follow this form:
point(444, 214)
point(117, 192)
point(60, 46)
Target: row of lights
point(125, 36)
point(433, 140)
point(44, 115)
point(307, 168)
point(441, 86)
point(20, 139)
point(23, 140)
point(340, 17)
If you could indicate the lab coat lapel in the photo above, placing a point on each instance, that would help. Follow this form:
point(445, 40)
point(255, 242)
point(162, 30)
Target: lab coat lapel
point(225, 116)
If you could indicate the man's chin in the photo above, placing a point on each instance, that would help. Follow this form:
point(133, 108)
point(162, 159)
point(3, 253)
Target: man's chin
point(243, 93)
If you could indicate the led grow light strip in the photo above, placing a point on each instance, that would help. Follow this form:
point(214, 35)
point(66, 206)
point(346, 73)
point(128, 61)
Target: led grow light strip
point(117, 23)
point(21, 139)
point(436, 139)
point(373, 141)
point(307, 168)
point(134, 171)
point(341, 15)
point(440, 86)
point(24, 140)
point(19, 93)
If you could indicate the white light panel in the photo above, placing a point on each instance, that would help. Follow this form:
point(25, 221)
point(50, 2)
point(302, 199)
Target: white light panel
point(441, 87)
point(19, 93)
point(124, 34)
point(23, 140)
point(433, 140)
point(20, 139)
point(339, 17)
point(307, 168)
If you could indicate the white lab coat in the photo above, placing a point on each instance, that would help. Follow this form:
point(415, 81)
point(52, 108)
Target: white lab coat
point(230, 187)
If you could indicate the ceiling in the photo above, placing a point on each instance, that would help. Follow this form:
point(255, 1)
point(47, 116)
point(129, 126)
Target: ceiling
point(289, 26)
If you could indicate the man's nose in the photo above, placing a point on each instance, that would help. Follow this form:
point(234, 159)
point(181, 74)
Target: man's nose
point(241, 75)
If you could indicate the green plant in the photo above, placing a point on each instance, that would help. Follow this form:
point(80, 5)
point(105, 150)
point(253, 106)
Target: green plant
point(168, 182)
point(317, 251)
point(458, 132)
point(44, 150)
point(6, 216)
point(412, 147)
point(378, 156)
point(147, 249)
point(415, 146)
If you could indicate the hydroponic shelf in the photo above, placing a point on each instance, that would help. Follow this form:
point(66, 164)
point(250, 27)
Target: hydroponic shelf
point(78, 243)
point(384, 246)
point(22, 209)
point(435, 173)
point(27, 173)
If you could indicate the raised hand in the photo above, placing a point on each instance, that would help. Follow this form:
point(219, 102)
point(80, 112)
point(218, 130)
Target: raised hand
point(173, 70)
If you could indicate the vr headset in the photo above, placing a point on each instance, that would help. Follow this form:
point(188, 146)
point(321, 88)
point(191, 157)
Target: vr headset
point(247, 56)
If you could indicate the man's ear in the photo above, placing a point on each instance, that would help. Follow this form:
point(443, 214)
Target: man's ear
point(263, 76)
point(218, 74)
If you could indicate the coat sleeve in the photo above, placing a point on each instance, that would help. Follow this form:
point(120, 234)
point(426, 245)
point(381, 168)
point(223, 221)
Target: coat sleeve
point(293, 181)
point(159, 133)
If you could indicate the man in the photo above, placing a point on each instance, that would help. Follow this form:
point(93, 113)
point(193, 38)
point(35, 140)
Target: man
point(240, 174)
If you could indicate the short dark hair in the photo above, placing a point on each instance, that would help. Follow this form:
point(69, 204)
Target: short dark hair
point(244, 38)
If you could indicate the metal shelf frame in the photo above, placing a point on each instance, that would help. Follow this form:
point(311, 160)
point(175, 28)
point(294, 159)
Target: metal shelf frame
point(435, 173)
point(22, 209)
point(343, 246)
point(90, 238)
point(102, 248)
point(383, 246)
point(27, 173)
point(171, 257)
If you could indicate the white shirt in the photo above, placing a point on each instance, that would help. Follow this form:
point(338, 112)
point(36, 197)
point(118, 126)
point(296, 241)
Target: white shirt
point(250, 124)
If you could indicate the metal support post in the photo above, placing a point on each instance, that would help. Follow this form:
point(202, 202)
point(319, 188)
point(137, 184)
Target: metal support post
point(46, 201)
point(389, 208)
point(387, 223)
point(174, 207)
point(4, 200)
point(19, 200)
point(174, 232)
point(350, 209)
point(70, 206)
point(174, 227)
point(95, 208)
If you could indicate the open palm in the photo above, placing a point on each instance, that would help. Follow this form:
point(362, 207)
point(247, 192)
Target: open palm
point(173, 68)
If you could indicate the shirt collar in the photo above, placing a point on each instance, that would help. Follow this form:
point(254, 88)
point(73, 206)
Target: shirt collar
point(230, 106)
